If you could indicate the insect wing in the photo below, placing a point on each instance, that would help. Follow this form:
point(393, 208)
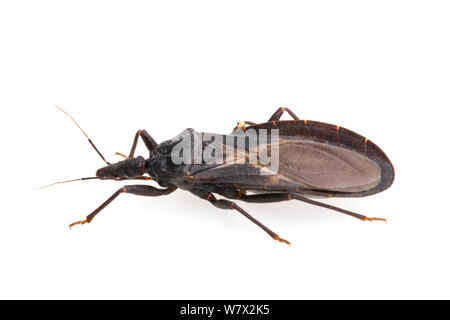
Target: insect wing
point(302, 164)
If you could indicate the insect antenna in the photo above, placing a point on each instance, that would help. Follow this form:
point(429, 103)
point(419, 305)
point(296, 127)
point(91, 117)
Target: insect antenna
point(60, 182)
point(90, 141)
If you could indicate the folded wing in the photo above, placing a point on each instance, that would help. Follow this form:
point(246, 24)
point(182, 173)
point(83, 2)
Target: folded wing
point(303, 164)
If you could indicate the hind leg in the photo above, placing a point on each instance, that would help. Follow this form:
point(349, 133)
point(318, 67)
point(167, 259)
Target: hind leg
point(277, 197)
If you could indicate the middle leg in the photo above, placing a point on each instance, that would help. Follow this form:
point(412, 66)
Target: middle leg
point(226, 204)
point(277, 115)
point(243, 125)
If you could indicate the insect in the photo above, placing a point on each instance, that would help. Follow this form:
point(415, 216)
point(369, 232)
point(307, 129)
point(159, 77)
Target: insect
point(315, 159)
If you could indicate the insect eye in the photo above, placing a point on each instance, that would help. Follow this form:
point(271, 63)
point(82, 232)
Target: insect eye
point(163, 150)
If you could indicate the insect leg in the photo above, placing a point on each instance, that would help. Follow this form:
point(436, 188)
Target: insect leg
point(276, 197)
point(140, 190)
point(277, 115)
point(225, 204)
point(150, 143)
point(121, 154)
point(242, 125)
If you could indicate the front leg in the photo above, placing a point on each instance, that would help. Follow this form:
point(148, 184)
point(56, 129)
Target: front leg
point(150, 143)
point(140, 190)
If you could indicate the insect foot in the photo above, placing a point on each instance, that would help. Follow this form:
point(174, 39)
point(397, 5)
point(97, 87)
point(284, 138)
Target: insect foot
point(276, 237)
point(78, 222)
point(120, 154)
point(375, 219)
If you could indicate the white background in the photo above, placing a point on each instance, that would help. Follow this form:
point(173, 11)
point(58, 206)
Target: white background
point(380, 68)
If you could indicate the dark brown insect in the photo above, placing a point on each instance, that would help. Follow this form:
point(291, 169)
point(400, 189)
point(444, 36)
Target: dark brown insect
point(315, 160)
